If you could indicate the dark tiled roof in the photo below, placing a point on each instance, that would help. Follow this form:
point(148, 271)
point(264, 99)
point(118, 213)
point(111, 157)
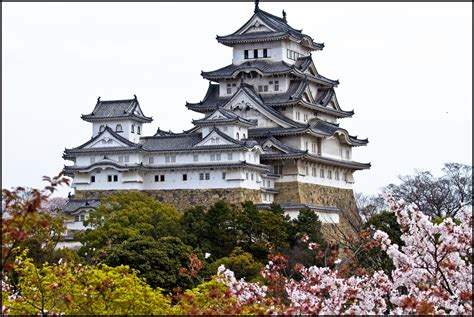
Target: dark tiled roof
point(229, 117)
point(315, 158)
point(263, 66)
point(280, 27)
point(211, 100)
point(117, 109)
point(74, 205)
point(280, 145)
point(267, 67)
point(292, 206)
point(292, 96)
point(316, 126)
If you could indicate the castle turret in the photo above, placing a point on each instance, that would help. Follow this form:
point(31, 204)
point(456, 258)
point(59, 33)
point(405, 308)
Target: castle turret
point(122, 116)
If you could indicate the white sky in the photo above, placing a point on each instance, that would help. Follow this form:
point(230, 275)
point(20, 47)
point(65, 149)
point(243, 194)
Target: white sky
point(405, 68)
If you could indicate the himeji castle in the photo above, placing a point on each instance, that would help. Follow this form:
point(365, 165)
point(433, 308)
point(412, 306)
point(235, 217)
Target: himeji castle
point(269, 132)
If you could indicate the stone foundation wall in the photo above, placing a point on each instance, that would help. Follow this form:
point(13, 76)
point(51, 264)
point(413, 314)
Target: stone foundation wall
point(183, 199)
point(304, 193)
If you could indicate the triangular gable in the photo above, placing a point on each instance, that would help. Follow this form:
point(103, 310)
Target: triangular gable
point(243, 101)
point(270, 147)
point(217, 115)
point(215, 138)
point(254, 25)
point(106, 139)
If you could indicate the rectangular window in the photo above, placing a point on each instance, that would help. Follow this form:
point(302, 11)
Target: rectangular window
point(120, 159)
point(208, 176)
point(229, 156)
point(76, 218)
point(321, 173)
point(278, 169)
point(185, 177)
point(287, 53)
point(313, 147)
point(336, 175)
point(330, 174)
point(151, 160)
point(306, 170)
point(276, 87)
point(251, 176)
point(195, 157)
point(170, 158)
point(229, 89)
point(201, 176)
point(314, 172)
point(270, 82)
point(215, 157)
point(115, 178)
point(265, 52)
point(260, 88)
point(246, 54)
point(133, 128)
point(83, 217)
point(223, 175)
point(247, 175)
point(92, 159)
point(92, 178)
point(297, 115)
point(265, 88)
point(348, 154)
point(218, 157)
point(162, 178)
point(306, 146)
point(305, 117)
point(157, 178)
point(109, 178)
point(255, 53)
point(126, 158)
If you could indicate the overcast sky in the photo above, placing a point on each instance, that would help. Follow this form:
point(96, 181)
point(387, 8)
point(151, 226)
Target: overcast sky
point(405, 68)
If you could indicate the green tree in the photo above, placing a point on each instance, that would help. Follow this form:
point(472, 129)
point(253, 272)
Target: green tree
point(196, 228)
point(126, 216)
point(240, 262)
point(158, 261)
point(80, 290)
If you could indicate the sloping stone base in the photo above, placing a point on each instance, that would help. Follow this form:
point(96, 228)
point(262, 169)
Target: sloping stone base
point(183, 199)
point(304, 193)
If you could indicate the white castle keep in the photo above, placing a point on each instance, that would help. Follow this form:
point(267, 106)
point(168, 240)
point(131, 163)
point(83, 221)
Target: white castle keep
point(269, 133)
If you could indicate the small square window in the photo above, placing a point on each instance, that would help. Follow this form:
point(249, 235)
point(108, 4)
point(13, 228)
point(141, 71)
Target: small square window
point(109, 178)
point(260, 88)
point(229, 156)
point(115, 178)
point(76, 218)
point(265, 88)
point(162, 178)
point(201, 176)
point(83, 217)
point(265, 52)
point(208, 176)
point(223, 175)
point(126, 158)
point(157, 178)
point(255, 53)
point(120, 159)
point(246, 54)
point(151, 160)
point(185, 177)
point(92, 178)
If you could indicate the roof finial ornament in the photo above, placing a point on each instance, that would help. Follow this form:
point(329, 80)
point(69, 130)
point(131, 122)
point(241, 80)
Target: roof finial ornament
point(256, 4)
point(135, 96)
point(284, 15)
point(98, 99)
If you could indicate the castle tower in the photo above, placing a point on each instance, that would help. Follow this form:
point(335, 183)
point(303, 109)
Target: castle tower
point(270, 133)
